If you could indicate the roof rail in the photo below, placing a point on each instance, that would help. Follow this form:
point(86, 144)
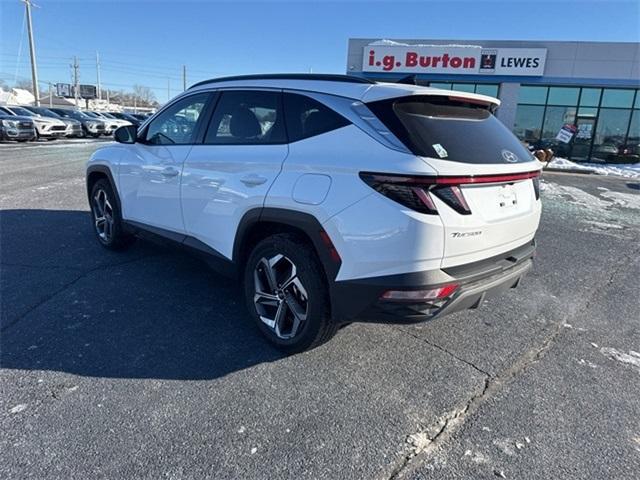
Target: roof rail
point(327, 77)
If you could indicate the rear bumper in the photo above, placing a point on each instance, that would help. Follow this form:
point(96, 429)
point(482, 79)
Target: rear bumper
point(479, 281)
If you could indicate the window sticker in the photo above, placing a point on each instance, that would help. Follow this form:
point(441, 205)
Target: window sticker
point(440, 150)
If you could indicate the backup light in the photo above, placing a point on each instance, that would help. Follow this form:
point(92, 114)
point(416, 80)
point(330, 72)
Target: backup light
point(439, 293)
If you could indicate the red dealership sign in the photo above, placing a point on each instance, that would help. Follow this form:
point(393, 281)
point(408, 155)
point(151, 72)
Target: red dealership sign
point(454, 59)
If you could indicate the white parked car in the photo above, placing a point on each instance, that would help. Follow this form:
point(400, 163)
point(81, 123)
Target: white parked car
point(331, 198)
point(46, 127)
point(107, 118)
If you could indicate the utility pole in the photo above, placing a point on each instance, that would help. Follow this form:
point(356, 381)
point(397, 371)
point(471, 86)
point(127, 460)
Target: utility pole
point(32, 51)
point(168, 89)
point(50, 95)
point(98, 75)
point(76, 80)
point(184, 77)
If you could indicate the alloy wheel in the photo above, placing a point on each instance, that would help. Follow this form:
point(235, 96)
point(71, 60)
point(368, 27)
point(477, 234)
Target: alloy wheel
point(103, 216)
point(280, 298)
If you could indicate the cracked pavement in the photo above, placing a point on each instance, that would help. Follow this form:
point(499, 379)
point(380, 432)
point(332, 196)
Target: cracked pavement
point(143, 364)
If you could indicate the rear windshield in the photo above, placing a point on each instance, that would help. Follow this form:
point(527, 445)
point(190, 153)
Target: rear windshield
point(458, 131)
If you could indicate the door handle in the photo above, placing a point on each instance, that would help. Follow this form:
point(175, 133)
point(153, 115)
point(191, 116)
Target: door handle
point(253, 180)
point(170, 172)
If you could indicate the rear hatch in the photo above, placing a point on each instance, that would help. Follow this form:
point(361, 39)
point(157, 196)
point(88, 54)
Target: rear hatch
point(486, 190)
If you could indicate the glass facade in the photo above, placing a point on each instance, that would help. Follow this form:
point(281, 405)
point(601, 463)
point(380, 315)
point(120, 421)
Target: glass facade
point(607, 121)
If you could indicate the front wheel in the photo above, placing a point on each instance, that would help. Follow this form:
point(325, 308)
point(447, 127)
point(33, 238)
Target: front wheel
point(107, 218)
point(286, 293)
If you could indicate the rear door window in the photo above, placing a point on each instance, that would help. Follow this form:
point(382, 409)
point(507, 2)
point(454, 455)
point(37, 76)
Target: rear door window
point(247, 117)
point(307, 117)
point(454, 130)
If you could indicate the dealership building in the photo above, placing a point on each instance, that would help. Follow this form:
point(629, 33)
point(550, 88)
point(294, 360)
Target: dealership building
point(592, 89)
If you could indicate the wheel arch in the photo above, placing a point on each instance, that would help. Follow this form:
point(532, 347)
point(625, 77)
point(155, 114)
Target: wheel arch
point(259, 223)
point(97, 172)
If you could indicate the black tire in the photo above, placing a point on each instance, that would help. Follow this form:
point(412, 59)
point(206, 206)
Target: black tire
point(317, 327)
point(116, 238)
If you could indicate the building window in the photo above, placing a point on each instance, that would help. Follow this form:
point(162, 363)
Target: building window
point(533, 95)
point(590, 97)
point(554, 119)
point(615, 97)
point(442, 86)
point(634, 129)
point(611, 134)
point(490, 89)
point(487, 89)
point(563, 96)
point(464, 87)
point(607, 127)
point(528, 123)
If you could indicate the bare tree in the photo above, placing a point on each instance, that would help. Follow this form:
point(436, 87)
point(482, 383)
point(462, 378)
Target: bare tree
point(144, 95)
point(24, 84)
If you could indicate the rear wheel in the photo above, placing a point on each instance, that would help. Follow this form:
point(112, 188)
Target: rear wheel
point(286, 293)
point(107, 218)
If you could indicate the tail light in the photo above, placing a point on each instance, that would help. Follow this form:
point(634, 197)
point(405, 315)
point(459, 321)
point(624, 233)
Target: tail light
point(415, 192)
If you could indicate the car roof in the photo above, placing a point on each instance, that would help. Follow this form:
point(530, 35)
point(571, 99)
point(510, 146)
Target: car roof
point(349, 86)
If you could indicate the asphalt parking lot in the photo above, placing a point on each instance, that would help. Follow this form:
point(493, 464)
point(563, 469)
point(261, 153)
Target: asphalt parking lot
point(144, 364)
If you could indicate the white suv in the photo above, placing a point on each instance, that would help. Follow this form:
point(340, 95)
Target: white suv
point(331, 198)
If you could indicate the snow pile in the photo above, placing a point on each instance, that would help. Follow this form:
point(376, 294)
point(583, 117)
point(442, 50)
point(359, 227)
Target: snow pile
point(629, 170)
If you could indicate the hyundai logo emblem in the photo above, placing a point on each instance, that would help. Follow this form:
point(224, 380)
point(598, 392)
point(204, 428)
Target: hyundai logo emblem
point(509, 156)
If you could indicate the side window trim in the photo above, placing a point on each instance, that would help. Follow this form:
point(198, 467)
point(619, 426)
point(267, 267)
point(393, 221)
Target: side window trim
point(211, 98)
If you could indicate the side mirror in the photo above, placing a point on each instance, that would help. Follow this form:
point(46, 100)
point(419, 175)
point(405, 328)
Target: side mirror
point(126, 134)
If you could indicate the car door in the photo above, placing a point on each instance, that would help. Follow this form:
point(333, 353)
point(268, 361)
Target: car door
point(150, 169)
point(232, 170)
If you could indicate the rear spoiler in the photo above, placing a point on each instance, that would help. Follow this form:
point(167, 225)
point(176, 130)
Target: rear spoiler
point(406, 87)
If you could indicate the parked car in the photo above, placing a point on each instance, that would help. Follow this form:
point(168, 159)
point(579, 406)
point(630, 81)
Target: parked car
point(16, 127)
point(140, 116)
point(128, 117)
point(110, 117)
point(331, 198)
point(46, 127)
point(92, 127)
point(110, 125)
point(74, 127)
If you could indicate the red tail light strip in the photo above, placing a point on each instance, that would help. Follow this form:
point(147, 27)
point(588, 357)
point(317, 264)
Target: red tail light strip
point(462, 180)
